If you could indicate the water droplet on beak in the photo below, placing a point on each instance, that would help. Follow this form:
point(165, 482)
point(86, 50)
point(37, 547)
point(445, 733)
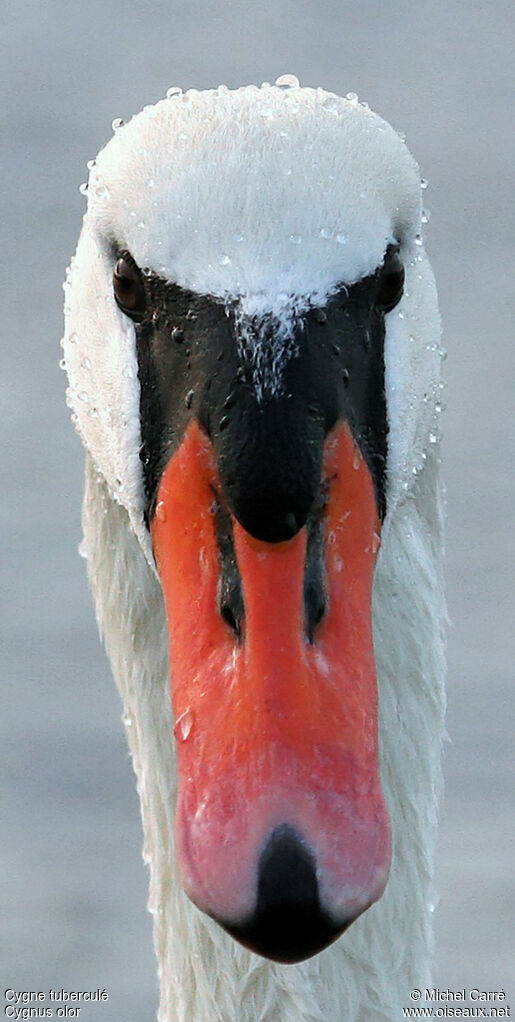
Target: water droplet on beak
point(184, 725)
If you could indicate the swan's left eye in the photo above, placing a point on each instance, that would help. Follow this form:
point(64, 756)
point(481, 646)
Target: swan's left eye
point(128, 287)
point(391, 280)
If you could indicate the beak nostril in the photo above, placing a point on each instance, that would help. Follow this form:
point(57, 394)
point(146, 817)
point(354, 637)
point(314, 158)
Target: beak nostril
point(315, 583)
point(231, 609)
point(315, 607)
point(230, 595)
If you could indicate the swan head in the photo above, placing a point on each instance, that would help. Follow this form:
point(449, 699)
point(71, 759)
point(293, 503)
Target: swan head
point(248, 375)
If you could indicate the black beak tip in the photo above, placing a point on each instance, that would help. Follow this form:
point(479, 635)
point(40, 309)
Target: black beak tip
point(288, 924)
point(286, 934)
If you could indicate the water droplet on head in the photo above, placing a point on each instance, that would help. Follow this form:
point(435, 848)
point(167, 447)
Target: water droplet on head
point(82, 549)
point(424, 183)
point(86, 364)
point(188, 400)
point(127, 719)
point(173, 92)
point(82, 396)
point(83, 188)
point(287, 82)
point(73, 338)
point(117, 124)
point(402, 136)
point(376, 542)
point(331, 105)
point(356, 458)
point(224, 259)
point(177, 335)
point(90, 164)
point(419, 239)
point(160, 511)
point(295, 239)
point(62, 363)
point(352, 98)
point(184, 725)
point(426, 216)
point(102, 191)
point(341, 239)
point(326, 233)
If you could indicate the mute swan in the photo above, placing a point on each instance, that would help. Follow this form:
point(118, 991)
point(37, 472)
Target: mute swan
point(252, 345)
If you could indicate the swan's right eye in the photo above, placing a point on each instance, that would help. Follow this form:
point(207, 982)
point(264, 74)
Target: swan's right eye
point(391, 280)
point(129, 290)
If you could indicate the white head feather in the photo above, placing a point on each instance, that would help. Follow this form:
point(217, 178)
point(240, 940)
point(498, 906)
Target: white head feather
point(267, 197)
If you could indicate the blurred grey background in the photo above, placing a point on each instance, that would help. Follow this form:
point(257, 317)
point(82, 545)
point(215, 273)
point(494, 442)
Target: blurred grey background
point(74, 885)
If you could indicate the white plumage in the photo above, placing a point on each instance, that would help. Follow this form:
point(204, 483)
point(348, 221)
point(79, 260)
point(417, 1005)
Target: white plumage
point(268, 198)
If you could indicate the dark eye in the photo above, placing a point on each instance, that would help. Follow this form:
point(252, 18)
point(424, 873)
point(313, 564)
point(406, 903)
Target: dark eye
point(128, 287)
point(391, 280)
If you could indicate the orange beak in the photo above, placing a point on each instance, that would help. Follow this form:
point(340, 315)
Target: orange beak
point(277, 736)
